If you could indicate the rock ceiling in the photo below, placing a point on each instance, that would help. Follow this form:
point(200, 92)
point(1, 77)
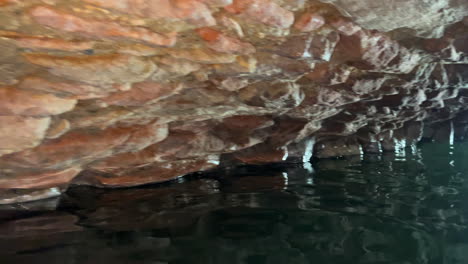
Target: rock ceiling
point(116, 93)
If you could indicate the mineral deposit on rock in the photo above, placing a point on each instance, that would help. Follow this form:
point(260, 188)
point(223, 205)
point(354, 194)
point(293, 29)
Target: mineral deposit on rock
point(129, 92)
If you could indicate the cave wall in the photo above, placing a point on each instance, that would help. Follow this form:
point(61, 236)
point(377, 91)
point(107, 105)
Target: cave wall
point(128, 92)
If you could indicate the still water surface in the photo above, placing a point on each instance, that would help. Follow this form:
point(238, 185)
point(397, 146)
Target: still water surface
point(404, 208)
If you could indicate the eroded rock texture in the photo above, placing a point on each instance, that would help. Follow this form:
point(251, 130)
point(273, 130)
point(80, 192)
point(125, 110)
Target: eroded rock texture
point(129, 92)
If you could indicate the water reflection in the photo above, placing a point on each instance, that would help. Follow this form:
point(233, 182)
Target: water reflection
point(384, 208)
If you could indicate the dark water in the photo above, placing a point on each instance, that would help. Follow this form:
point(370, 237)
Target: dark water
point(395, 208)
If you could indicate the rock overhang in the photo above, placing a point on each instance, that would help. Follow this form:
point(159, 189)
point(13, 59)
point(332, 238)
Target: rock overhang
point(129, 92)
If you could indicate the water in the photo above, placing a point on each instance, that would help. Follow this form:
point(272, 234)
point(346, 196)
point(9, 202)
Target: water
point(404, 208)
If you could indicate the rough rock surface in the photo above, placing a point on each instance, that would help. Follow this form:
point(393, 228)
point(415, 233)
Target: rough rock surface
point(129, 92)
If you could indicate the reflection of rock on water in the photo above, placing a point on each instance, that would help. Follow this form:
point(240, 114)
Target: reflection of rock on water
point(457, 253)
point(373, 209)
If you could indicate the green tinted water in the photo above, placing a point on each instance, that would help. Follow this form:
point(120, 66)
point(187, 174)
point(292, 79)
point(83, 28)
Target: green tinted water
point(406, 208)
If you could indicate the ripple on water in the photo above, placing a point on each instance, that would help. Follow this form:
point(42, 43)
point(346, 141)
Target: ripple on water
point(408, 207)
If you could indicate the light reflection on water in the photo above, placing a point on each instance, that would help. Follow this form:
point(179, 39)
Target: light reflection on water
point(409, 207)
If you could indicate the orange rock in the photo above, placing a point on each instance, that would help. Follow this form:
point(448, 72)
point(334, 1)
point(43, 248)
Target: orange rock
point(40, 180)
point(72, 148)
point(309, 22)
point(83, 146)
point(19, 133)
point(141, 93)
point(192, 11)
point(97, 69)
point(219, 42)
point(29, 103)
point(41, 42)
point(67, 89)
point(238, 6)
point(6, 2)
point(56, 19)
point(264, 11)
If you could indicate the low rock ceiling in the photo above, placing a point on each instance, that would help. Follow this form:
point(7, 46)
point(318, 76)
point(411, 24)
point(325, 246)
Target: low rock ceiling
point(129, 92)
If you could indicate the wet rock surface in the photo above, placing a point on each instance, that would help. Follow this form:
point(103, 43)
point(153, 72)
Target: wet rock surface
point(123, 93)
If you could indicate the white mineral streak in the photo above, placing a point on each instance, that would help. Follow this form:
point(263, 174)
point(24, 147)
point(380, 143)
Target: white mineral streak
point(33, 196)
point(387, 15)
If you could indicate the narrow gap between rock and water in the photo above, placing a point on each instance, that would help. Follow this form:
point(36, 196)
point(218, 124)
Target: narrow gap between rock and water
point(392, 207)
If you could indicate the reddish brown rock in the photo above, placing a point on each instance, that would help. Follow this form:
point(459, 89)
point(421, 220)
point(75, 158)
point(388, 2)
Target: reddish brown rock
point(58, 128)
point(346, 27)
point(142, 93)
point(28, 103)
point(170, 69)
point(156, 172)
point(218, 3)
point(56, 19)
point(264, 11)
point(272, 95)
point(244, 131)
point(138, 49)
point(70, 89)
point(103, 87)
point(376, 51)
point(165, 150)
point(222, 43)
point(104, 118)
point(81, 147)
point(70, 149)
point(19, 133)
point(97, 69)
point(144, 136)
point(192, 11)
point(202, 56)
point(47, 43)
point(309, 22)
point(6, 2)
point(260, 154)
point(39, 180)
